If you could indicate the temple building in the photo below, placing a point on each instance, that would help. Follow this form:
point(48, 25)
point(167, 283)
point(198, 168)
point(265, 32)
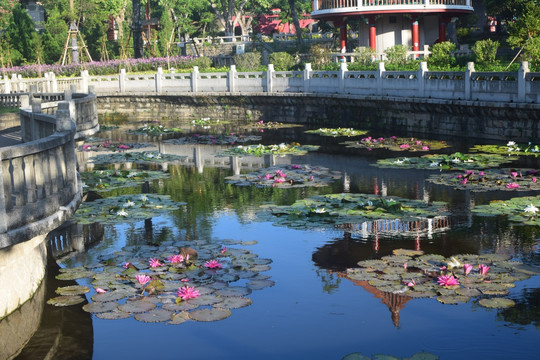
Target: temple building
point(385, 23)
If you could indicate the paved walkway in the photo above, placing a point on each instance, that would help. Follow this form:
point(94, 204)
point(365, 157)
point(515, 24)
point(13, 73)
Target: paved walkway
point(10, 137)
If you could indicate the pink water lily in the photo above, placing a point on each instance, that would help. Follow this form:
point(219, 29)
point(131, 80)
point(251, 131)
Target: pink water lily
point(126, 265)
point(187, 292)
point(213, 264)
point(514, 174)
point(534, 180)
point(483, 269)
point(481, 173)
point(512, 185)
point(404, 146)
point(447, 280)
point(184, 280)
point(279, 180)
point(467, 268)
point(463, 182)
point(411, 283)
point(142, 279)
point(176, 259)
point(425, 148)
point(223, 250)
point(296, 167)
point(154, 263)
point(100, 291)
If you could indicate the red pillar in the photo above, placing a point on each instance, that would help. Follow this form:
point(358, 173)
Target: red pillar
point(372, 33)
point(343, 37)
point(442, 29)
point(415, 36)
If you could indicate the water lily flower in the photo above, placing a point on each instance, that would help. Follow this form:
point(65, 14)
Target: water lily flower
point(531, 209)
point(534, 179)
point(467, 268)
point(319, 211)
point(126, 265)
point(483, 269)
point(279, 180)
point(187, 292)
point(213, 264)
point(445, 280)
point(143, 198)
point(454, 263)
point(223, 250)
point(405, 265)
point(184, 280)
point(425, 148)
point(481, 173)
point(511, 144)
point(514, 174)
point(122, 213)
point(176, 259)
point(411, 283)
point(512, 185)
point(142, 279)
point(404, 146)
point(129, 203)
point(463, 182)
point(154, 263)
point(294, 166)
point(268, 176)
point(100, 291)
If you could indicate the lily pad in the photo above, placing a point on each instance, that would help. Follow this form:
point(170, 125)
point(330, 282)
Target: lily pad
point(113, 315)
point(394, 143)
point(137, 306)
point(215, 139)
point(260, 150)
point(497, 303)
point(209, 314)
point(106, 180)
point(235, 302)
point(72, 290)
point(66, 300)
point(335, 132)
point(100, 307)
point(179, 318)
point(521, 210)
point(74, 275)
point(110, 296)
point(511, 148)
point(124, 208)
point(154, 129)
point(181, 306)
point(449, 299)
point(260, 284)
point(108, 145)
point(456, 161)
point(204, 300)
point(286, 176)
point(154, 316)
point(136, 157)
point(233, 291)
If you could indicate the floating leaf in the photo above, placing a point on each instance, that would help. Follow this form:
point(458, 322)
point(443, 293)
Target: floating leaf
point(107, 180)
point(260, 284)
point(235, 302)
point(100, 307)
point(449, 299)
point(113, 315)
point(72, 290)
point(154, 316)
point(66, 300)
point(74, 275)
point(137, 306)
point(407, 252)
point(181, 306)
point(260, 150)
point(396, 144)
point(233, 291)
point(209, 314)
point(144, 157)
point(498, 303)
point(206, 300)
point(179, 318)
point(215, 139)
point(456, 161)
point(335, 132)
point(110, 296)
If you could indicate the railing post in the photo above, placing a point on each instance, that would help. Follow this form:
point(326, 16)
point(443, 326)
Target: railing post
point(195, 79)
point(307, 77)
point(270, 78)
point(85, 81)
point(342, 71)
point(231, 77)
point(468, 80)
point(63, 116)
point(379, 77)
point(73, 89)
point(47, 83)
point(68, 95)
point(3, 215)
point(54, 82)
point(7, 84)
point(159, 84)
point(421, 77)
point(522, 84)
point(36, 104)
point(14, 82)
point(122, 81)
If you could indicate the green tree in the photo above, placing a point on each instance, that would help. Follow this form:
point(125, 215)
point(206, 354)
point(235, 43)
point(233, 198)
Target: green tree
point(54, 36)
point(441, 55)
point(19, 32)
point(485, 51)
point(525, 33)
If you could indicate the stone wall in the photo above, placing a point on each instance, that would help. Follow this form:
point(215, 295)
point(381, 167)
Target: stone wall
point(426, 117)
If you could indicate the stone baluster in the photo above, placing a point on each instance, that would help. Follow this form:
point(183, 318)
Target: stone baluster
point(468, 80)
point(522, 84)
point(307, 77)
point(159, 80)
point(122, 81)
point(195, 79)
point(270, 78)
point(231, 77)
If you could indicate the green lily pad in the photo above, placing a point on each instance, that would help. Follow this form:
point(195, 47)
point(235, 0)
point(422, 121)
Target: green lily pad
point(453, 299)
point(286, 176)
point(124, 208)
point(110, 296)
point(154, 316)
point(136, 157)
point(397, 144)
point(260, 284)
point(113, 315)
point(456, 161)
point(468, 292)
point(179, 318)
point(108, 145)
point(215, 139)
point(137, 306)
point(66, 300)
point(521, 210)
point(181, 306)
point(335, 132)
point(272, 125)
point(106, 180)
point(74, 275)
point(209, 314)
point(100, 307)
point(497, 303)
point(204, 300)
point(260, 150)
point(72, 290)
point(235, 302)
point(154, 129)
point(509, 149)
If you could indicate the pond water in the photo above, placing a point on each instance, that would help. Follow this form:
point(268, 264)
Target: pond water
point(313, 310)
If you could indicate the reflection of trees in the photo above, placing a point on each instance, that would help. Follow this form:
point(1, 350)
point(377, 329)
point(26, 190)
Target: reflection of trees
point(526, 311)
point(207, 192)
point(329, 280)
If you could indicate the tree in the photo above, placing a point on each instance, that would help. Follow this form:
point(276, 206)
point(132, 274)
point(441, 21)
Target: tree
point(525, 32)
point(19, 32)
point(54, 36)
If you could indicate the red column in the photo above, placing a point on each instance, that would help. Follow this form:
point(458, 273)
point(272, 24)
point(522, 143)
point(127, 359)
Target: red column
point(343, 37)
point(442, 29)
point(415, 36)
point(372, 33)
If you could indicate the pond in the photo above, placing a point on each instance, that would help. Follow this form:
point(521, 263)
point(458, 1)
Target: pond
point(302, 303)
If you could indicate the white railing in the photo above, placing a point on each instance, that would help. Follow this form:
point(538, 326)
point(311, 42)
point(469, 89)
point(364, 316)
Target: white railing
point(370, 5)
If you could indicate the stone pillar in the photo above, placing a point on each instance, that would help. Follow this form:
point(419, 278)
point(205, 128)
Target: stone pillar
point(522, 84)
point(67, 95)
point(231, 77)
point(379, 77)
point(307, 76)
point(122, 81)
point(47, 83)
point(63, 117)
point(468, 80)
point(195, 79)
point(159, 80)
point(3, 215)
point(342, 71)
point(15, 83)
point(7, 84)
point(270, 78)
point(36, 104)
point(85, 81)
point(420, 76)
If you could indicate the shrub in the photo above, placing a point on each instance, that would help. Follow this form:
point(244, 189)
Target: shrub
point(441, 55)
point(249, 61)
point(320, 56)
point(282, 61)
point(397, 54)
point(485, 51)
point(364, 55)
